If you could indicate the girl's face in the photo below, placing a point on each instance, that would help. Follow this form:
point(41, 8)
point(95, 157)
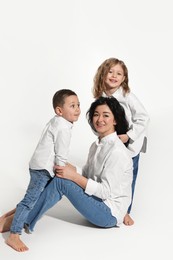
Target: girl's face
point(115, 77)
point(103, 121)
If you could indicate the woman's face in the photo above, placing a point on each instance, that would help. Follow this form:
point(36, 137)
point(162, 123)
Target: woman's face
point(103, 121)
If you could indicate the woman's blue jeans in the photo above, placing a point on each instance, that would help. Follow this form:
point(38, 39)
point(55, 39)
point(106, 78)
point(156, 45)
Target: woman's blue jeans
point(38, 181)
point(135, 173)
point(91, 207)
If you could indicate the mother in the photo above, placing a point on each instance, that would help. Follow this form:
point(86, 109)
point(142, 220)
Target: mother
point(102, 193)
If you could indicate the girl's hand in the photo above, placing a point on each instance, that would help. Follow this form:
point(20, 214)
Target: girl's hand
point(124, 138)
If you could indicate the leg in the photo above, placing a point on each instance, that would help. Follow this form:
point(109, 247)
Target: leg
point(8, 213)
point(92, 208)
point(37, 183)
point(127, 219)
point(6, 220)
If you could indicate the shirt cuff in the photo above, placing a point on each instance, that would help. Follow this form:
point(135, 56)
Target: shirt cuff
point(91, 187)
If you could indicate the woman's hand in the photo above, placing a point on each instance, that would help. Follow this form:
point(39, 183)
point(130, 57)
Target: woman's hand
point(69, 172)
point(66, 172)
point(124, 138)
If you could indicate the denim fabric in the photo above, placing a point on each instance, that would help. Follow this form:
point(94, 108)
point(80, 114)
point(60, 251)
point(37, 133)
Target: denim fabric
point(135, 172)
point(92, 208)
point(38, 181)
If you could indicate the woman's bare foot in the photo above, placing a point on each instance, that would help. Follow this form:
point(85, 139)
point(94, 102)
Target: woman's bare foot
point(5, 223)
point(128, 221)
point(14, 241)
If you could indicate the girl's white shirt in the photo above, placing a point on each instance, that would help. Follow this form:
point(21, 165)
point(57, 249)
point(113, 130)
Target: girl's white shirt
point(138, 120)
point(109, 171)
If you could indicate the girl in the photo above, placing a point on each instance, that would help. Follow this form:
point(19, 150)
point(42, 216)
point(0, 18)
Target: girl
point(111, 79)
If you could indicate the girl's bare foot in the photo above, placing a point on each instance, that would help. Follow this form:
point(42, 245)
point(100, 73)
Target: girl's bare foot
point(128, 221)
point(14, 241)
point(5, 223)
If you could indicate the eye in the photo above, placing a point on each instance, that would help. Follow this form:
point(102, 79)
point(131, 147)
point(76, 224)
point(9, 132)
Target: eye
point(95, 114)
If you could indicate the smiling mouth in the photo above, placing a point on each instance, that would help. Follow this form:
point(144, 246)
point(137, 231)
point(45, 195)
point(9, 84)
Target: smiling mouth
point(113, 81)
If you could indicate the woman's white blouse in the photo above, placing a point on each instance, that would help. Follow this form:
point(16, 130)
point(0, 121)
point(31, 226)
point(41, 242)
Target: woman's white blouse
point(109, 172)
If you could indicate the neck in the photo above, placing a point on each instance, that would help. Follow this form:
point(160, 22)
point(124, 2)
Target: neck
point(111, 91)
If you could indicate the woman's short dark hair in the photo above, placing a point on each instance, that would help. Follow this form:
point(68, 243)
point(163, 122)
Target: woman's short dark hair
point(117, 110)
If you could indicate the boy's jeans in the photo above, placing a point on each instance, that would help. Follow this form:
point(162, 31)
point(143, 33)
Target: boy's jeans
point(92, 208)
point(38, 181)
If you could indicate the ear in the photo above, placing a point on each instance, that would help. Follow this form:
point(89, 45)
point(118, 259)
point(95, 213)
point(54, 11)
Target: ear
point(114, 123)
point(58, 111)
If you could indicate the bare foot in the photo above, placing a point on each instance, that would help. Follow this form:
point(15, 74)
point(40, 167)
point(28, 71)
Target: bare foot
point(128, 221)
point(14, 241)
point(5, 223)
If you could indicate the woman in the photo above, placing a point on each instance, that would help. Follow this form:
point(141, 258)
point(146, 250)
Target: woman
point(102, 193)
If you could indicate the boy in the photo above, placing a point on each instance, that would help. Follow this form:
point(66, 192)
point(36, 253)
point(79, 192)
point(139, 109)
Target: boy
point(51, 150)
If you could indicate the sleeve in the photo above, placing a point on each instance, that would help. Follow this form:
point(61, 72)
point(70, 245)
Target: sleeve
point(139, 117)
point(62, 144)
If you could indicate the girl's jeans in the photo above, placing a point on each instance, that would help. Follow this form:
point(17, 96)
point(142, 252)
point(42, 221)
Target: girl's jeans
point(38, 181)
point(135, 172)
point(91, 207)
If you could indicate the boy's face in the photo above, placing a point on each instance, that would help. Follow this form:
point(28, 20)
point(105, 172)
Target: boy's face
point(71, 109)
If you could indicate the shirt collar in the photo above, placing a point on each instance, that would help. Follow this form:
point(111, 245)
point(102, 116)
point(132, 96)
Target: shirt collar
point(106, 139)
point(65, 121)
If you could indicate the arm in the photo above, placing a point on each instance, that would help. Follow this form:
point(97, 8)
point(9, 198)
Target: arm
point(62, 144)
point(69, 172)
point(139, 117)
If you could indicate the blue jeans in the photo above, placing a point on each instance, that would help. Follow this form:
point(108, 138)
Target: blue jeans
point(135, 172)
point(38, 181)
point(91, 207)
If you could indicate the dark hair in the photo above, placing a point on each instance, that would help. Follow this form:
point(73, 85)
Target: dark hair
point(117, 110)
point(60, 95)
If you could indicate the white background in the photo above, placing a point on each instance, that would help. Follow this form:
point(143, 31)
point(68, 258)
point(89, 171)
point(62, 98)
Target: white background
point(49, 45)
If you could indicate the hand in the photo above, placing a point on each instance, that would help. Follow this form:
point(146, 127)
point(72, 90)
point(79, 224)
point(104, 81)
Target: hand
point(66, 172)
point(124, 138)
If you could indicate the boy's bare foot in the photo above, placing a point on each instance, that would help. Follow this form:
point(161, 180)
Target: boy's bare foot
point(5, 223)
point(14, 241)
point(128, 221)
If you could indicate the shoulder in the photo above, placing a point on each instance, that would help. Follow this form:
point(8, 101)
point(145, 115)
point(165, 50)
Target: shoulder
point(60, 122)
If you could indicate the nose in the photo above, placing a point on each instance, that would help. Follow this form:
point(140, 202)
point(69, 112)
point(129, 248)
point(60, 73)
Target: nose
point(78, 109)
point(100, 118)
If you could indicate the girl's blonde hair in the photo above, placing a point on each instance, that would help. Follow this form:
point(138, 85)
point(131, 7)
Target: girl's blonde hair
point(100, 76)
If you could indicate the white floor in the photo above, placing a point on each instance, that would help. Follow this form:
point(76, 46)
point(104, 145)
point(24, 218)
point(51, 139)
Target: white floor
point(64, 234)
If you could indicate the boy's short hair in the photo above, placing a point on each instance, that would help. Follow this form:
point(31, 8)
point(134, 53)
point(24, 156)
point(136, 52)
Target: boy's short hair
point(60, 95)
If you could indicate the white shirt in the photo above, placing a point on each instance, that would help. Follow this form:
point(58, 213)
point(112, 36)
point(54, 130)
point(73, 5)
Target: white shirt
point(137, 118)
point(109, 172)
point(53, 146)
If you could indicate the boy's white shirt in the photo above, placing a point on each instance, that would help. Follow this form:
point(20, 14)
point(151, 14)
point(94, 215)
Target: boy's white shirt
point(138, 120)
point(53, 146)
